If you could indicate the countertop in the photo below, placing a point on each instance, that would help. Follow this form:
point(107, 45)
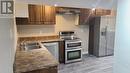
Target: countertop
point(33, 60)
point(52, 40)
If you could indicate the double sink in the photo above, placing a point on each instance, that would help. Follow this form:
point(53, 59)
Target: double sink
point(52, 47)
point(27, 46)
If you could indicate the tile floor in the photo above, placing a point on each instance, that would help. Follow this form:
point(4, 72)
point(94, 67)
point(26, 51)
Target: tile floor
point(90, 64)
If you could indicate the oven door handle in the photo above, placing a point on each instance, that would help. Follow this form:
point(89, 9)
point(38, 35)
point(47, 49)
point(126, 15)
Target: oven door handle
point(74, 49)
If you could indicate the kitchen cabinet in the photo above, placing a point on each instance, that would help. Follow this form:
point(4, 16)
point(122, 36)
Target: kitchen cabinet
point(84, 16)
point(102, 12)
point(87, 14)
point(21, 21)
point(45, 70)
point(40, 14)
point(21, 10)
point(49, 15)
point(35, 14)
point(61, 51)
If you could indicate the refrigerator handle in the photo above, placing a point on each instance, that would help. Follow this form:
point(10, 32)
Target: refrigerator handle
point(104, 31)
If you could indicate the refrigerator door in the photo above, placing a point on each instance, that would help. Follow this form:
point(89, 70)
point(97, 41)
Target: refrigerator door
point(102, 48)
point(110, 37)
point(102, 45)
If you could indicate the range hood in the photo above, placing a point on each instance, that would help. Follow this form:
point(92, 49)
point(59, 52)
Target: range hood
point(66, 10)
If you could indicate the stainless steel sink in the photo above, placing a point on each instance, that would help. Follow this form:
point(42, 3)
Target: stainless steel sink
point(31, 46)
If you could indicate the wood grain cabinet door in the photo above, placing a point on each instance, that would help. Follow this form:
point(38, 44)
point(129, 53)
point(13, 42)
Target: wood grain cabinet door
point(39, 14)
point(50, 15)
point(102, 12)
point(84, 16)
point(31, 10)
point(61, 51)
point(87, 14)
point(35, 14)
point(45, 70)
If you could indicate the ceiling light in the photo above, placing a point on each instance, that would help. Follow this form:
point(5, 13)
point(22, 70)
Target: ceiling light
point(93, 9)
point(55, 5)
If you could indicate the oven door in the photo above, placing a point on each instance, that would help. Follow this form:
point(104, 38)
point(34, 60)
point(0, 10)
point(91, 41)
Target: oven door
point(73, 55)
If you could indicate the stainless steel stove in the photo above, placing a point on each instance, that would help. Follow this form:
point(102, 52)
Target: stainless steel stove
point(73, 46)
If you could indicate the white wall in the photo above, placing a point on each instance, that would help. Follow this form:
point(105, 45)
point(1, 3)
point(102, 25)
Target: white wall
point(107, 4)
point(63, 22)
point(122, 44)
point(7, 43)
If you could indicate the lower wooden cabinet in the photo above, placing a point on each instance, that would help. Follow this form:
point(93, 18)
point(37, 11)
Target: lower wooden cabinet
point(45, 70)
point(61, 51)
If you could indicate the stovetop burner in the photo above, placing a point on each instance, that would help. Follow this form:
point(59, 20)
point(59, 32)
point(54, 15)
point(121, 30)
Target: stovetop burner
point(68, 35)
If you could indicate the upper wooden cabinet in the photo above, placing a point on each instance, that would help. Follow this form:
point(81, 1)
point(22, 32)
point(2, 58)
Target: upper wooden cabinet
point(35, 14)
point(102, 12)
point(49, 15)
point(40, 14)
point(43, 14)
point(87, 14)
point(84, 16)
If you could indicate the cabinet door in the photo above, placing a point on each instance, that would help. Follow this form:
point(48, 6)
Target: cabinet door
point(35, 13)
point(31, 10)
point(84, 16)
point(39, 14)
point(49, 16)
point(61, 51)
point(45, 70)
point(102, 12)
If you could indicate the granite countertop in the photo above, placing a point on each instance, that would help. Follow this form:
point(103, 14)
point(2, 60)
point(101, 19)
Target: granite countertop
point(33, 60)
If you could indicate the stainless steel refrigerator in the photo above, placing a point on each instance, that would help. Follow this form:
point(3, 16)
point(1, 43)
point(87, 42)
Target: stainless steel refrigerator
point(102, 36)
